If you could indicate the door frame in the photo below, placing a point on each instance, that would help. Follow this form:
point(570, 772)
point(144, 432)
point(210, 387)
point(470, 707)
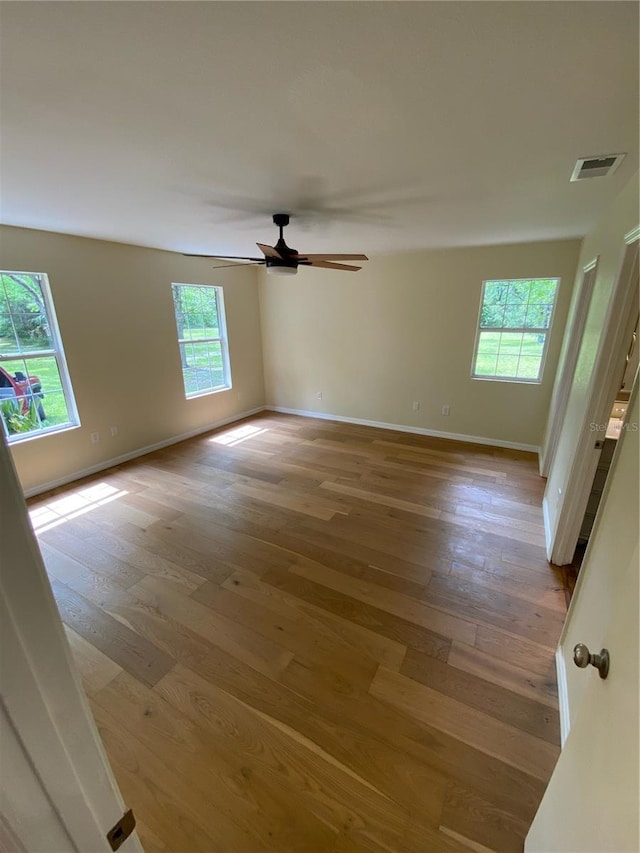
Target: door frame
point(569, 360)
point(612, 350)
point(41, 691)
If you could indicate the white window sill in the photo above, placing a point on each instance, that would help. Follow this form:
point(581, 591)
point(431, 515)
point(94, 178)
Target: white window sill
point(19, 438)
point(508, 379)
point(198, 394)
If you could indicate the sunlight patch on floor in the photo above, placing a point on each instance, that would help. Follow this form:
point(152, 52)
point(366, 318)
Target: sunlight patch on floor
point(72, 505)
point(236, 436)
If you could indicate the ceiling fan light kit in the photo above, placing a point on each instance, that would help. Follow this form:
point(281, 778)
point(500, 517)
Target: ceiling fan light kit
point(282, 260)
point(276, 268)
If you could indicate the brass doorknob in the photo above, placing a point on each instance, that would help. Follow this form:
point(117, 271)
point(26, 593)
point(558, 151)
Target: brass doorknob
point(582, 657)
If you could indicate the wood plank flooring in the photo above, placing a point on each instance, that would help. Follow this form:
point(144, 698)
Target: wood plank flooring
point(299, 635)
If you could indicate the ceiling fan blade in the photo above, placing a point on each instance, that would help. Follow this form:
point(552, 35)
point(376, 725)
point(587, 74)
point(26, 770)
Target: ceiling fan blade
point(269, 251)
point(225, 257)
point(329, 265)
point(332, 257)
point(249, 264)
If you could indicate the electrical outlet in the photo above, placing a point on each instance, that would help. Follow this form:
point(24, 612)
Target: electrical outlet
point(114, 431)
point(318, 395)
point(416, 405)
point(95, 437)
point(446, 410)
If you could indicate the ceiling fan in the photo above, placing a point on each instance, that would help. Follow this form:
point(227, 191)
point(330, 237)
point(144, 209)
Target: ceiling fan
point(281, 260)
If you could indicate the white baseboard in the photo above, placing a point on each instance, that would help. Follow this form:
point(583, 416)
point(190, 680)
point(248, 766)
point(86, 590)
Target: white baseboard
point(541, 464)
point(133, 454)
point(563, 697)
point(454, 436)
point(548, 533)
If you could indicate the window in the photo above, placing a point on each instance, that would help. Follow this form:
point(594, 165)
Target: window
point(513, 331)
point(202, 338)
point(35, 390)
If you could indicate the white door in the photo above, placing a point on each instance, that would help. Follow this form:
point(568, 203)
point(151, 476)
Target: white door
point(596, 382)
point(568, 360)
point(57, 791)
point(592, 802)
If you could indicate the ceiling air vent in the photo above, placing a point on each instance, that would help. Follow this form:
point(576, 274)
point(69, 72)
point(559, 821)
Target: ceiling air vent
point(596, 167)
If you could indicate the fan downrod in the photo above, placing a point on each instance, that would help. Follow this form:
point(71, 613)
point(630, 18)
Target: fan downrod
point(282, 219)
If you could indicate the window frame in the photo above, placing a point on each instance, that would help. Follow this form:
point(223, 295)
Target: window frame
point(222, 339)
point(56, 352)
point(530, 331)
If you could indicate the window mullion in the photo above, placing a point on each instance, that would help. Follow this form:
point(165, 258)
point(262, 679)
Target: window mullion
point(524, 329)
point(199, 340)
point(25, 356)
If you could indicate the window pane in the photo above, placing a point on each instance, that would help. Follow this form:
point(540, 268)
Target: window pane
point(543, 290)
point(539, 316)
point(187, 360)
point(529, 367)
point(31, 395)
point(507, 365)
point(533, 345)
point(24, 325)
point(504, 362)
point(210, 313)
point(489, 342)
point(518, 292)
point(492, 316)
point(32, 331)
point(514, 316)
point(495, 293)
point(179, 309)
point(204, 370)
point(486, 364)
point(510, 343)
point(8, 340)
point(194, 326)
point(46, 368)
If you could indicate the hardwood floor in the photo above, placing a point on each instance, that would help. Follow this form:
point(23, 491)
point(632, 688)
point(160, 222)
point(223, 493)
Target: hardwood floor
point(299, 635)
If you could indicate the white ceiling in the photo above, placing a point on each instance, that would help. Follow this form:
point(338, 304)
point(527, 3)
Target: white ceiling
point(415, 124)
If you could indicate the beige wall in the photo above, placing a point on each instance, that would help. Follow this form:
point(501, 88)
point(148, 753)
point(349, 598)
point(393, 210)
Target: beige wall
point(115, 313)
point(606, 242)
point(403, 329)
